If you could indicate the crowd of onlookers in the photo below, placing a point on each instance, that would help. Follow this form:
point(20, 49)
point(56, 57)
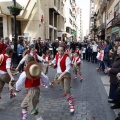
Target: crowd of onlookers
point(105, 53)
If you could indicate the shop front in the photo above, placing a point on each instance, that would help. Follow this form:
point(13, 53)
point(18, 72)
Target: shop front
point(115, 33)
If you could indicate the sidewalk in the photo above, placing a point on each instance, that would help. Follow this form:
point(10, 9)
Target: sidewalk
point(106, 83)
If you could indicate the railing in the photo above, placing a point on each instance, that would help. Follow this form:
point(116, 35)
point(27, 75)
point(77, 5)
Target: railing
point(102, 26)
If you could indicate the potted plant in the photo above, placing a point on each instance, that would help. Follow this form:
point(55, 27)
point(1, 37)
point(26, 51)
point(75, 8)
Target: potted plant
point(94, 29)
point(15, 10)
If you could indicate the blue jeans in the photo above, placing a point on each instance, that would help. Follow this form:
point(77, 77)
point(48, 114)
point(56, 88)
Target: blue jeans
point(106, 64)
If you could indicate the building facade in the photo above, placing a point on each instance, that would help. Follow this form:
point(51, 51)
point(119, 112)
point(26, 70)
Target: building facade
point(70, 13)
point(79, 23)
point(48, 19)
point(108, 18)
point(29, 22)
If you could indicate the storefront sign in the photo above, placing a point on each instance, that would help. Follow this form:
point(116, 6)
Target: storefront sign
point(59, 34)
point(115, 29)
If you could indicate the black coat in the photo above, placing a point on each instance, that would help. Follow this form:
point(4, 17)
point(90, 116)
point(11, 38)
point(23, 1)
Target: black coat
point(38, 47)
point(115, 70)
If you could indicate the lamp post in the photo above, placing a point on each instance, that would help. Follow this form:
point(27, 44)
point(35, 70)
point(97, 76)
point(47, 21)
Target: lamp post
point(95, 18)
point(14, 12)
point(15, 39)
point(15, 33)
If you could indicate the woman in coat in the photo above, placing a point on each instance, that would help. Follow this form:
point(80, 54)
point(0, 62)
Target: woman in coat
point(113, 71)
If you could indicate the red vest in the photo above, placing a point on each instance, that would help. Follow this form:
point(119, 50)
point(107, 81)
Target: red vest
point(3, 65)
point(78, 51)
point(45, 56)
point(62, 62)
point(67, 50)
point(35, 56)
point(2, 48)
point(76, 60)
point(32, 83)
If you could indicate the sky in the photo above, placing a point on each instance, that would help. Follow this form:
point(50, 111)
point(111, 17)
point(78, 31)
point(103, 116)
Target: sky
point(85, 6)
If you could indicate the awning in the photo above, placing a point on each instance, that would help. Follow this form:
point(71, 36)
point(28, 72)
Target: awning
point(115, 29)
point(60, 34)
point(68, 34)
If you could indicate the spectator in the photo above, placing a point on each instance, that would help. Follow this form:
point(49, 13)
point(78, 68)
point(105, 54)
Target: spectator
point(113, 71)
point(2, 46)
point(20, 50)
point(38, 47)
point(32, 42)
point(94, 52)
point(55, 46)
point(7, 41)
point(89, 51)
point(107, 48)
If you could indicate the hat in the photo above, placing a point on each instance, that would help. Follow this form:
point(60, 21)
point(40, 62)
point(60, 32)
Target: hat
point(117, 39)
point(33, 70)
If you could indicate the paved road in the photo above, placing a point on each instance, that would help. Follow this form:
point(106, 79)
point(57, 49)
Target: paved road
point(90, 100)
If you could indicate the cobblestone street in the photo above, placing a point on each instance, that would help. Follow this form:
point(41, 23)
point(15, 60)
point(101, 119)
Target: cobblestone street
point(90, 100)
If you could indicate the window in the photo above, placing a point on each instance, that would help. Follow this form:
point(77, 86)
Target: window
point(116, 10)
point(1, 27)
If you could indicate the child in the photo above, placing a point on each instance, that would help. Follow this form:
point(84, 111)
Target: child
point(46, 59)
point(5, 70)
point(76, 62)
point(30, 78)
point(78, 50)
point(31, 52)
point(68, 49)
point(99, 57)
point(62, 63)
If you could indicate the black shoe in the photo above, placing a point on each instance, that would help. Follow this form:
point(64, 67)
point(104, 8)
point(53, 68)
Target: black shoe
point(118, 118)
point(116, 106)
point(112, 101)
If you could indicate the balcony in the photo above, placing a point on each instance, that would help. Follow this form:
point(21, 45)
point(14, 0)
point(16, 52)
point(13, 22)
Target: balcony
point(54, 7)
point(101, 27)
point(73, 5)
point(116, 21)
point(103, 6)
point(73, 14)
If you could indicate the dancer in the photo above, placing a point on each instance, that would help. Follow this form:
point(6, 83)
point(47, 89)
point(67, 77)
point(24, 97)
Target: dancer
point(68, 51)
point(63, 64)
point(76, 63)
point(78, 50)
point(30, 78)
point(35, 55)
point(5, 71)
point(46, 59)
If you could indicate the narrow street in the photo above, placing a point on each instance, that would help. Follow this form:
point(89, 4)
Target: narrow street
point(90, 100)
